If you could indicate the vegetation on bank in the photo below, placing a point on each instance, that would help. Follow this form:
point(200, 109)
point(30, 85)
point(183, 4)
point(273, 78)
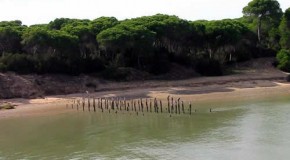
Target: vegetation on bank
point(7, 106)
point(149, 43)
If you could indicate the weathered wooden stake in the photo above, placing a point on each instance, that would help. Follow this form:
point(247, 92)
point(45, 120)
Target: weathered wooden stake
point(160, 106)
point(178, 105)
point(83, 105)
point(175, 107)
point(150, 105)
point(94, 104)
point(172, 108)
point(139, 106)
point(142, 107)
point(168, 104)
point(147, 105)
point(113, 105)
point(182, 104)
point(132, 105)
point(89, 105)
point(190, 108)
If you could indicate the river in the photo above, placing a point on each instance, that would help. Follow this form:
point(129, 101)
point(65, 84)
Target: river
point(255, 130)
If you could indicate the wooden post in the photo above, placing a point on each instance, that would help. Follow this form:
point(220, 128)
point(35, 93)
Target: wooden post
point(94, 104)
point(178, 105)
point(172, 108)
point(182, 104)
point(142, 107)
point(190, 108)
point(113, 105)
point(89, 105)
point(168, 104)
point(147, 105)
point(160, 106)
point(105, 103)
point(155, 105)
point(83, 104)
point(175, 107)
point(150, 105)
point(117, 103)
point(121, 103)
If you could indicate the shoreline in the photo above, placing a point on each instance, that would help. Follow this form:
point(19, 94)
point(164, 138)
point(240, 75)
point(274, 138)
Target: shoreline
point(253, 80)
point(201, 94)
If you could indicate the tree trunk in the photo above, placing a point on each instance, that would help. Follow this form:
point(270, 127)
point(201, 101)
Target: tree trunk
point(259, 28)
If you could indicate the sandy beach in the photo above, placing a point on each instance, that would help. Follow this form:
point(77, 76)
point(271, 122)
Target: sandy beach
point(233, 91)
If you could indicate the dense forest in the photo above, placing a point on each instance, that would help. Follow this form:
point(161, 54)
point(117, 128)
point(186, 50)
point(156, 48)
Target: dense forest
point(151, 43)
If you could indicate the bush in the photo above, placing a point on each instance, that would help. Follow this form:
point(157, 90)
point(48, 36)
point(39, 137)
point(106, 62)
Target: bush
point(91, 85)
point(19, 63)
point(208, 67)
point(7, 106)
point(283, 58)
point(3, 67)
point(114, 73)
point(159, 64)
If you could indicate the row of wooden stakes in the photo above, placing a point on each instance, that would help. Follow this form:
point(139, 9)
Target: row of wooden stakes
point(139, 106)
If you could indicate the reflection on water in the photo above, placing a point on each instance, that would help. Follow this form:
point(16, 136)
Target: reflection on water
point(259, 130)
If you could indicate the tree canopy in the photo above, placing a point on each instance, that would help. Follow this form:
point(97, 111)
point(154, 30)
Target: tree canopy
point(147, 43)
point(263, 11)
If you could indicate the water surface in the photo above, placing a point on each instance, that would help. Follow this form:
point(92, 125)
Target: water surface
point(257, 130)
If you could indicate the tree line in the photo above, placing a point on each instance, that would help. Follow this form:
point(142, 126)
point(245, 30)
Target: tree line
point(148, 43)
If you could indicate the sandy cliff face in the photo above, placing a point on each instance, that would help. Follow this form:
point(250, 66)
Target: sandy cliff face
point(12, 85)
point(32, 86)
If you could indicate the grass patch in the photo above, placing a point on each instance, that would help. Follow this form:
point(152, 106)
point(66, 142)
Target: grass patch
point(7, 106)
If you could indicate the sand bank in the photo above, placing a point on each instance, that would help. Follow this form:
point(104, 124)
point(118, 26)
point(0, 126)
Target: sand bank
point(245, 90)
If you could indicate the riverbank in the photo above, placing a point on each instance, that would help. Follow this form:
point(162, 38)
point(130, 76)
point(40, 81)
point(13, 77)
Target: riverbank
point(249, 81)
point(228, 92)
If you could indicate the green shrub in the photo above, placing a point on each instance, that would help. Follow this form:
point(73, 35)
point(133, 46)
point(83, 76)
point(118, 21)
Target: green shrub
point(283, 58)
point(19, 63)
point(3, 67)
point(208, 67)
point(114, 73)
point(91, 85)
point(7, 106)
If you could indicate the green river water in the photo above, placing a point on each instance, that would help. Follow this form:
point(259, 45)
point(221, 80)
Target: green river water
point(256, 130)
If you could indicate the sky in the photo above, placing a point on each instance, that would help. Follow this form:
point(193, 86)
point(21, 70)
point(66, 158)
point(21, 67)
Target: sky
point(43, 11)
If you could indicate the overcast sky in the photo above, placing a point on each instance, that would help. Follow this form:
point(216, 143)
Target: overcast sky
point(43, 11)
